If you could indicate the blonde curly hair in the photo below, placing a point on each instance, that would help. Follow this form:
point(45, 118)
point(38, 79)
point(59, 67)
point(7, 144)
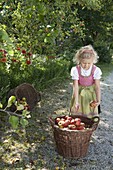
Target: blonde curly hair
point(85, 52)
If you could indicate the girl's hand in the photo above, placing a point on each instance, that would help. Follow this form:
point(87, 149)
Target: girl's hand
point(97, 103)
point(94, 104)
point(77, 106)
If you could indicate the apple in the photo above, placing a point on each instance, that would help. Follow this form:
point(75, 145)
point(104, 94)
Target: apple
point(77, 121)
point(72, 127)
point(81, 126)
point(66, 123)
point(68, 117)
point(63, 119)
point(28, 62)
point(93, 104)
point(72, 121)
point(57, 120)
point(60, 123)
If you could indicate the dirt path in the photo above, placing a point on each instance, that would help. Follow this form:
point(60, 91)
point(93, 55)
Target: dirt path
point(100, 153)
point(34, 149)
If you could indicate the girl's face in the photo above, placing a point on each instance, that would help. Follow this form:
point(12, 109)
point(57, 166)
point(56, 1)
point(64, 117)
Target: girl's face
point(86, 63)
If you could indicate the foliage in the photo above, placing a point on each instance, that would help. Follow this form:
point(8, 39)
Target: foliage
point(104, 53)
point(53, 20)
point(22, 66)
point(98, 28)
point(20, 114)
point(54, 27)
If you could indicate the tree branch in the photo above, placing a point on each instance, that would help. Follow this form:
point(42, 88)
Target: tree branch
point(10, 113)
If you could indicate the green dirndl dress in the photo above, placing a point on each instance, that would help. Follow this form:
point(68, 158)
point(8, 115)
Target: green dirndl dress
point(86, 96)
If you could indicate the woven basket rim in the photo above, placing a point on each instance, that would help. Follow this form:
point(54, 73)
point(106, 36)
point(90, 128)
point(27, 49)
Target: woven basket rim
point(69, 130)
point(89, 129)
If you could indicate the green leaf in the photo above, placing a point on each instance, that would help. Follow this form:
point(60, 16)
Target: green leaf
point(5, 36)
point(45, 40)
point(14, 121)
point(1, 105)
point(10, 52)
point(23, 122)
point(26, 113)
point(20, 107)
point(11, 100)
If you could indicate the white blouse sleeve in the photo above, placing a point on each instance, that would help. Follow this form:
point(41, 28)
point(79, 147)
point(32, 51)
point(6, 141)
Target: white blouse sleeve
point(74, 73)
point(97, 73)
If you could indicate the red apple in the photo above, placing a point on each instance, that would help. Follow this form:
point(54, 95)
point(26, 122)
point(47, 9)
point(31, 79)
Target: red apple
point(63, 119)
point(57, 120)
point(66, 123)
point(4, 59)
point(28, 62)
point(68, 117)
point(72, 127)
point(93, 104)
point(14, 60)
point(77, 121)
point(72, 121)
point(81, 126)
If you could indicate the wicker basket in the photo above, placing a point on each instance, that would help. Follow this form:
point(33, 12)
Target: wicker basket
point(28, 91)
point(73, 143)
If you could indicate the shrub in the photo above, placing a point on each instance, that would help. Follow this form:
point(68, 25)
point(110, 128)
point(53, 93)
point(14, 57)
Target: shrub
point(22, 66)
point(104, 53)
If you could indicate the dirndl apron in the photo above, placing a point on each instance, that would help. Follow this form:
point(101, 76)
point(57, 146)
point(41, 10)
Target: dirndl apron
point(86, 95)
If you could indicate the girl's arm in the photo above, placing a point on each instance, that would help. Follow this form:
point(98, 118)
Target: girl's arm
point(75, 91)
point(98, 91)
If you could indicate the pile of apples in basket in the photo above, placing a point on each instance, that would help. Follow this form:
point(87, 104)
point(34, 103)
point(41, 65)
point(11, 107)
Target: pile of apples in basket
point(70, 123)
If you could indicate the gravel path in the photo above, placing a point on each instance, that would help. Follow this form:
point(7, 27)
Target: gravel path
point(100, 152)
point(36, 150)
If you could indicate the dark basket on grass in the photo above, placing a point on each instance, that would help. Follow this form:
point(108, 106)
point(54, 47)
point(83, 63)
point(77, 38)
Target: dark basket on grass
point(28, 91)
point(73, 143)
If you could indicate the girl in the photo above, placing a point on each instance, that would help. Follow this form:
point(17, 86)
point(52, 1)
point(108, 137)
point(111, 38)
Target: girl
point(86, 83)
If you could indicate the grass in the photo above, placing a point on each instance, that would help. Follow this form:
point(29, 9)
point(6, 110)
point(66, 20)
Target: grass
point(106, 68)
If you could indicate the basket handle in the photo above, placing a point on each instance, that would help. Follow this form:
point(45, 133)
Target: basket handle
point(51, 121)
point(94, 127)
point(96, 120)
